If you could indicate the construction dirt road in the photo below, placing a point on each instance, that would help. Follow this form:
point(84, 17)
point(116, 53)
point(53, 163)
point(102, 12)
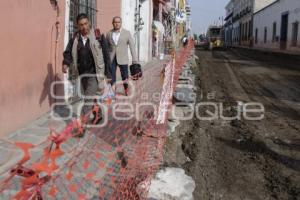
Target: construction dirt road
point(245, 159)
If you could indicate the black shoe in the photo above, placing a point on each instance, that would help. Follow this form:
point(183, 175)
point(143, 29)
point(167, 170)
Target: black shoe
point(97, 118)
point(126, 92)
point(97, 112)
point(80, 130)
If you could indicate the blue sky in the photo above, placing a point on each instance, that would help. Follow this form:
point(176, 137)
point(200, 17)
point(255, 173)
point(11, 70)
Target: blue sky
point(205, 13)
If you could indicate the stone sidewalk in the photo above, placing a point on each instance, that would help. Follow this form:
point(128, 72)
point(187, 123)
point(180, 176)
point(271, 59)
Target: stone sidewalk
point(37, 132)
point(117, 160)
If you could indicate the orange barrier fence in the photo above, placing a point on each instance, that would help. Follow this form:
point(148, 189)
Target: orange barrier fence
point(116, 161)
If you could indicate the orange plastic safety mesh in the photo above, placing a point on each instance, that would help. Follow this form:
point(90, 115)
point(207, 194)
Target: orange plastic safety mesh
point(116, 161)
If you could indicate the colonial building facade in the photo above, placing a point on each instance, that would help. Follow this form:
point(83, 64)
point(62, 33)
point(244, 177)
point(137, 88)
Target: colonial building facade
point(37, 34)
point(239, 21)
point(276, 26)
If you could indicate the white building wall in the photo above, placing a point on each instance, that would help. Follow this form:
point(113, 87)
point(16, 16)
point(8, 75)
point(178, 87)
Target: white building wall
point(268, 16)
point(228, 29)
point(146, 32)
point(244, 23)
point(235, 31)
point(260, 4)
point(143, 40)
point(128, 19)
point(127, 13)
point(239, 6)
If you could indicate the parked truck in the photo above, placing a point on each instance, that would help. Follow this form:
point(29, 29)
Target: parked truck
point(215, 35)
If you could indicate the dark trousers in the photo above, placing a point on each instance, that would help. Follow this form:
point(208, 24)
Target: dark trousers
point(123, 70)
point(89, 86)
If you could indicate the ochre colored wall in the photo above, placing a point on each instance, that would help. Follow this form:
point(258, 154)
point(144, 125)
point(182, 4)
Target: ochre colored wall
point(28, 64)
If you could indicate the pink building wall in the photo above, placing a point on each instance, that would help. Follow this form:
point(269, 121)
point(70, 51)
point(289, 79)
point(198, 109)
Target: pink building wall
point(31, 59)
point(28, 64)
point(107, 9)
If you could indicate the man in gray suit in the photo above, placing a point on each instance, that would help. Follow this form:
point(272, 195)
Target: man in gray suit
point(118, 40)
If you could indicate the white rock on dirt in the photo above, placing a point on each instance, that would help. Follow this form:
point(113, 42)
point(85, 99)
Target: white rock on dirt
point(171, 184)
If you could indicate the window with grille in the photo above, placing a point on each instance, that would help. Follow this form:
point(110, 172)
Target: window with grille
point(265, 35)
point(82, 6)
point(256, 36)
point(246, 31)
point(295, 31)
point(249, 29)
point(274, 32)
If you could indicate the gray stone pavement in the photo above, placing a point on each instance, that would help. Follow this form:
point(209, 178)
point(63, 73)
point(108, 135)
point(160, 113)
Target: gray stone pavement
point(36, 133)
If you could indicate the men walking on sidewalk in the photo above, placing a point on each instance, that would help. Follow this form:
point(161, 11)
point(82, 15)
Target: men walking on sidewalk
point(119, 39)
point(84, 57)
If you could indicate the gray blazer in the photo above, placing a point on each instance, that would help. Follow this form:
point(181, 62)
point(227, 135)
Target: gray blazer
point(121, 50)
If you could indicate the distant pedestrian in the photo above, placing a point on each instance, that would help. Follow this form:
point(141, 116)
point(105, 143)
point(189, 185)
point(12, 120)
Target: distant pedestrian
point(118, 40)
point(185, 40)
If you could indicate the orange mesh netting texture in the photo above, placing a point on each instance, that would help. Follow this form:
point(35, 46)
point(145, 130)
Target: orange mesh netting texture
point(114, 161)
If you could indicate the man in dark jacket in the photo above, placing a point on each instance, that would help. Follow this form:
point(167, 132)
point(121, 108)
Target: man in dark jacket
point(85, 56)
